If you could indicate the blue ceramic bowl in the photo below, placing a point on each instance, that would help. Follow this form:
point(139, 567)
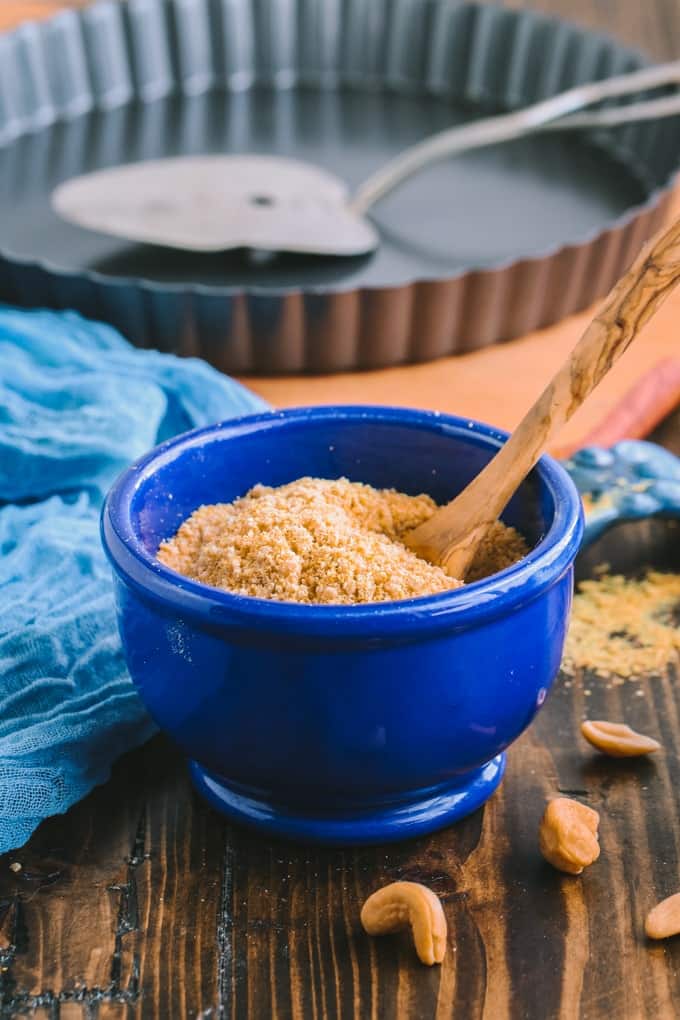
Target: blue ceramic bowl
point(348, 724)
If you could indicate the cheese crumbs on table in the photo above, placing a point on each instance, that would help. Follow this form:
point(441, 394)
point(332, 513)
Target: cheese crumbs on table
point(625, 627)
point(332, 542)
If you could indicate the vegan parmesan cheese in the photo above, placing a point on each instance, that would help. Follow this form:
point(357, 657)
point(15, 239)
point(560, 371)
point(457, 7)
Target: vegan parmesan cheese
point(321, 541)
point(625, 627)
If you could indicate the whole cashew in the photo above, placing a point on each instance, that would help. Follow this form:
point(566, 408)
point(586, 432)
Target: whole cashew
point(664, 920)
point(401, 904)
point(568, 836)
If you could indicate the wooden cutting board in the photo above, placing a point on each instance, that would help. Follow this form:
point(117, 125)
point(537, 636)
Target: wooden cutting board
point(14, 11)
point(498, 384)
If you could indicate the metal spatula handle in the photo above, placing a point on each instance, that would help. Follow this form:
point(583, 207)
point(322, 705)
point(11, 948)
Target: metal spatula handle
point(505, 127)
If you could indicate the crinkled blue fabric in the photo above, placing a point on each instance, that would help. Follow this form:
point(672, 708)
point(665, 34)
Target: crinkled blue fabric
point(77, 405)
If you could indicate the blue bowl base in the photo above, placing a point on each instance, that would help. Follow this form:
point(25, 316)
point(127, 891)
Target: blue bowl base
point(405, 820)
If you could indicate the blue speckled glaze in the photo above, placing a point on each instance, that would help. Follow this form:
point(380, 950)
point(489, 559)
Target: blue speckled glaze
point(631, 480)
point(340, 724)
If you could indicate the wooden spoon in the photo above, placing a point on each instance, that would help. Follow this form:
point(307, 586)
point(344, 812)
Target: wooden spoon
point(452, 536)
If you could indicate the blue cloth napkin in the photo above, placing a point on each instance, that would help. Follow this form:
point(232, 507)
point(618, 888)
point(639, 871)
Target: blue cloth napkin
point(77, 405)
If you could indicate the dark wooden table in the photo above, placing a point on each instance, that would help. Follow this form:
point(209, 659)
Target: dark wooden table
point(141, 902)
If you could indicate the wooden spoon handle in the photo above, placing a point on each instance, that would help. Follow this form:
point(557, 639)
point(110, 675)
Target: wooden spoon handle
point(451, 536)
point(651, 398)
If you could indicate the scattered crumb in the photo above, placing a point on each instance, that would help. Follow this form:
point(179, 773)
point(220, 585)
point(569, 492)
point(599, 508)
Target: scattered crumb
point(321, 541)
point(624, 628)
point(15, 867)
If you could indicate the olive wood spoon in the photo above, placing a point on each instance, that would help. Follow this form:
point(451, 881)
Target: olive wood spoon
point(452, 536)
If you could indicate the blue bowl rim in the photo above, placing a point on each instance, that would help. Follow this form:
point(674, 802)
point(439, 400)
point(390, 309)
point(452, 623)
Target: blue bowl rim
point(461, 608)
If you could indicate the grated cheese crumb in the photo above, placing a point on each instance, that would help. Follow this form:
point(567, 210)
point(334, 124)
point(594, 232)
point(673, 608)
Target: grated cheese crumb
point(621, 627)
point(322, 541)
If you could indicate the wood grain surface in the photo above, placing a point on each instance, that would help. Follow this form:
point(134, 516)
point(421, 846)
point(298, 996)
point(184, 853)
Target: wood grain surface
point(143, 903)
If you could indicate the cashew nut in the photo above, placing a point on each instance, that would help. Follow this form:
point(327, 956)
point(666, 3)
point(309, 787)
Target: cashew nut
point(568, 835)
point(401, 904)
point(664, 920)
point(617, 740)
